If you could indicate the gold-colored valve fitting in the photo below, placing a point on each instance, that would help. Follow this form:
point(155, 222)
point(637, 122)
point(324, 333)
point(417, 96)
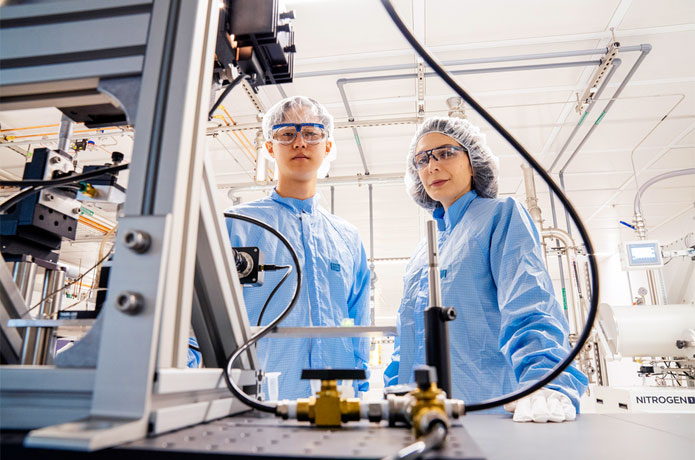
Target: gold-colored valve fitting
point(328, 408)
point(90, 191)
point(429, 406)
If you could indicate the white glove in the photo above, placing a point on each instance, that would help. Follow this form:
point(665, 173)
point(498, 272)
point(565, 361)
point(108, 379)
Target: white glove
point(544, 405)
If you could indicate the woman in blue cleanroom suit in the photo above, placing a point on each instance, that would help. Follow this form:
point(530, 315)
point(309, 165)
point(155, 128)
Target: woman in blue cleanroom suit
point(510, 329)
point(335, 281)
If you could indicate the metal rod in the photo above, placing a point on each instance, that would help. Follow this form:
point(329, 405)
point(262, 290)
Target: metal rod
point(559, 257)
point(436, 316)
point(567, 216)
point(372, 285)
point(332, 199)
point(24, 276)
point(570, 254)
point(652, 287)
point(65, 133)
point(433, 264)
point(53, 280)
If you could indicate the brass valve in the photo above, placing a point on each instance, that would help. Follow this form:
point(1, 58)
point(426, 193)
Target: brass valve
point(327, 408)
point(428, 404)
point(89, 190)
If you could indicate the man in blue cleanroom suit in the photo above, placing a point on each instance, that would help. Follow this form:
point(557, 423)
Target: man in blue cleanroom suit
point(335, 275)
point(510, 328)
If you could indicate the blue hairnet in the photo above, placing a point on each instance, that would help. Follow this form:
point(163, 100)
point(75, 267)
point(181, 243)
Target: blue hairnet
point(485, 165)
point(297, 105)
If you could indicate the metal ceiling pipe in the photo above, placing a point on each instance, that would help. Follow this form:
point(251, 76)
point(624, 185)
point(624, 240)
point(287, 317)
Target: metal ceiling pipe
point(646, 48)
point(392, 178)
point(614, 67)
point(354, 130)
point(337, 125)
point(654, 277)
point(654, 180)
point(341, 82)
point(521, 57)
point(531, 198)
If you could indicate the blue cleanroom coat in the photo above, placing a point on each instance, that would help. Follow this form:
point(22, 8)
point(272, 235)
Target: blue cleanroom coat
point(510, 328)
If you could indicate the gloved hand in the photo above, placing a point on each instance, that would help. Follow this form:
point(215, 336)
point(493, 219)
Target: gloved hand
point(544, 405)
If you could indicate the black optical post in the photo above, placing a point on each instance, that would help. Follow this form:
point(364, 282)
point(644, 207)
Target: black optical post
point(436, 317)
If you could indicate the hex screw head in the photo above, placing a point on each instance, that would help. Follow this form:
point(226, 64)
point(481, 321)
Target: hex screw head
point(137, 241)
point(130, 302)
point(448, 313)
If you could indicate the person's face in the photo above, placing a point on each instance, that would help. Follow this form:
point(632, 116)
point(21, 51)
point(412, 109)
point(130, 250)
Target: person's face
point(299, 160)
point(448, 179)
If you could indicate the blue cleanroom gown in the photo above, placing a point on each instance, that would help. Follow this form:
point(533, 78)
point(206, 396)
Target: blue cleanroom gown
point(335, 287)
point(510, 329)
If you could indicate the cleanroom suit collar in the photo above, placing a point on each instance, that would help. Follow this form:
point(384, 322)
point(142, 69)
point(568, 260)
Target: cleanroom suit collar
point(446, 220)
point(309, 205)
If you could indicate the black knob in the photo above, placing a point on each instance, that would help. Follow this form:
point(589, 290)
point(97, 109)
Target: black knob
point(425, 376)
point(333, 374)
point(117, 157)
point(290, 49)
point(448, 313)
point(283, 28)
point(287, 15)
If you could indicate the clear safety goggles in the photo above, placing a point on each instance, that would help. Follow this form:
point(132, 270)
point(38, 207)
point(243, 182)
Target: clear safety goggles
point(286, 133)
point(443, 153)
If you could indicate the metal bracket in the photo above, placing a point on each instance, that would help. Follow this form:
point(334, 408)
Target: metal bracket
point(420, 109)
point(597, 77)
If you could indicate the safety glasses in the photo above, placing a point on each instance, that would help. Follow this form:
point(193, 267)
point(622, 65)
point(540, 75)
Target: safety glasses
point(286, 133)
point(443, 153)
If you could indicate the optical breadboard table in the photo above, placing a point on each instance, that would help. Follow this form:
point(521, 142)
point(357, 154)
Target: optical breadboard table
point(491, 437)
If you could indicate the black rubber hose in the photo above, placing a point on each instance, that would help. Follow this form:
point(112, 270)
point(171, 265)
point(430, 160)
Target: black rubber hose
point(236, 391)
point(272, 293)
point(431, 441)
point(64, 180)
point(35, 186)
point(225, 93)
point(557, 370)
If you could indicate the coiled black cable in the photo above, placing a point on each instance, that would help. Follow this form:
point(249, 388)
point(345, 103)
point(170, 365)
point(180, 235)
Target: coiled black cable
point(233, 387)
point(557, 370)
